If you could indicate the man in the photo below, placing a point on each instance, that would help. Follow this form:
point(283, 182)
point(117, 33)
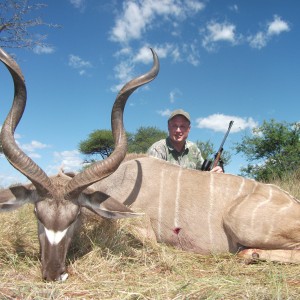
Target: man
point(176, 148)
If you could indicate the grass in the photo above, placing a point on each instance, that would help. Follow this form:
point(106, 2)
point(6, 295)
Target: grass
point(110, 260)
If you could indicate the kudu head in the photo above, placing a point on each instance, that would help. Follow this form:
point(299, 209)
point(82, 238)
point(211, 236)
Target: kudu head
point(58, 200)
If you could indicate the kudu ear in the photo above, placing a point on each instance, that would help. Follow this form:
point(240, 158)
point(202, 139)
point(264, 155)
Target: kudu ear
point(105, 206)
point(16, 196)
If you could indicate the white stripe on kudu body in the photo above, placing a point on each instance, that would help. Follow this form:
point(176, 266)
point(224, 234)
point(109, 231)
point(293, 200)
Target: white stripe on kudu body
point(177, 199)
point(258, 207)
point(54, 237)
point(211, 207)
point(160, 202)
point(241, 189)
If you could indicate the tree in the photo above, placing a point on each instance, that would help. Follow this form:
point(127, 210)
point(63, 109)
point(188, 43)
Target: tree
point(102, 142)
point(98, 142)
point(15, 25)
point(144, 138)
point(273, 150)
point(16, 22)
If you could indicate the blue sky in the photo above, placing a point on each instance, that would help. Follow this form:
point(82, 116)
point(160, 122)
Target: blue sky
point(219, 60)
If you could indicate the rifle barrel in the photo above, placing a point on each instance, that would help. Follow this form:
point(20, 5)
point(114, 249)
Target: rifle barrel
point(218, 154)
point(225, 137)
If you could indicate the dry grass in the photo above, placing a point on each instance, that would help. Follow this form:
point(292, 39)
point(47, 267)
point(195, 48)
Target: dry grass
point(109, 260)
point(290, 183)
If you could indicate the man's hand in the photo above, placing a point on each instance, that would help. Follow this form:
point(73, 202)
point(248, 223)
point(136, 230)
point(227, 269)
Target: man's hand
point(217, 169)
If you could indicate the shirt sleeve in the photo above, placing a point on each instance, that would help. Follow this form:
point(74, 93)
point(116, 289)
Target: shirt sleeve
point(200, 159)
point(158, 151)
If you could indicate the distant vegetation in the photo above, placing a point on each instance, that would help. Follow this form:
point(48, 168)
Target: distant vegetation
point(101, 142)
point(273, 151)
point(110, 260)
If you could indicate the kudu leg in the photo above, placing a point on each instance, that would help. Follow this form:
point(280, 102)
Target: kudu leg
point(284, 256)
point(266, 227)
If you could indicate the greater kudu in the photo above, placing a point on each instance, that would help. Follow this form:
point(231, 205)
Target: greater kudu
point(58, 199)
point(207, 212)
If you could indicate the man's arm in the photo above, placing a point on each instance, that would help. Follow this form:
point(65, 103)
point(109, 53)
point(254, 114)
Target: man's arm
point(157, 150)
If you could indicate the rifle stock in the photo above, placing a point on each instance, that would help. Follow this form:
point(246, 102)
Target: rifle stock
point(217, 159)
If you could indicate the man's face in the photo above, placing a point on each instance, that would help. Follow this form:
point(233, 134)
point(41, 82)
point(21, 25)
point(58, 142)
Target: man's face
point(179, 128)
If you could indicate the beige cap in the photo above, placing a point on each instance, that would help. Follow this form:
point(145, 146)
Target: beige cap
point(180, 112)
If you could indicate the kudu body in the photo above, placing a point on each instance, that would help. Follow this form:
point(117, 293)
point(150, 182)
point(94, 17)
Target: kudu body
point(208, 212)
point(58, 200)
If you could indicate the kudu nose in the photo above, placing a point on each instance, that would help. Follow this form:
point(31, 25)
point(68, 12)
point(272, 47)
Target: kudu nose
point(58, 274)
point(50, 277)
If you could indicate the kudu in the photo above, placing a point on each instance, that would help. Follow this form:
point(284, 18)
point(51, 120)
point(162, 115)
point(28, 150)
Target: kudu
point(58, 200)
point(207, 212)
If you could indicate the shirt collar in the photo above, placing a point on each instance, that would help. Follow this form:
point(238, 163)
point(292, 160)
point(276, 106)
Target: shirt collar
point(171, 148)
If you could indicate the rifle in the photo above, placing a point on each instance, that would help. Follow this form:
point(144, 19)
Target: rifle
point(208, 164)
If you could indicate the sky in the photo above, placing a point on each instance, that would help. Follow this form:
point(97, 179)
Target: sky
point(219, 60)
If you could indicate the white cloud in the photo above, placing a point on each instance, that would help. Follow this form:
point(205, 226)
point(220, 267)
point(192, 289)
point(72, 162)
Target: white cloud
point(277, 26)
point(17, 136)
point(79, 4)
point(130, 25)
point(193, 6)
point(124, 51)
point(34, 155)
point(174, 94)
point(33, 145)
point(191, 54)
point(261, 39)
point(77, 62)
point(123, 73)
point(82, 72)
point(139, 16)
point(234, 8)
point(164, 50)
point(219, 123)
point(218, 32)
point(165, 113)
point(258, 41)
point(144, 55)
point(221, 32)
point(43, 49)
point(175, 54)
point(68, 160)
point(11, 177)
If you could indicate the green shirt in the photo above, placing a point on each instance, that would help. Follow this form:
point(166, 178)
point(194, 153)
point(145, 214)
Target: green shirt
point(190, 157)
